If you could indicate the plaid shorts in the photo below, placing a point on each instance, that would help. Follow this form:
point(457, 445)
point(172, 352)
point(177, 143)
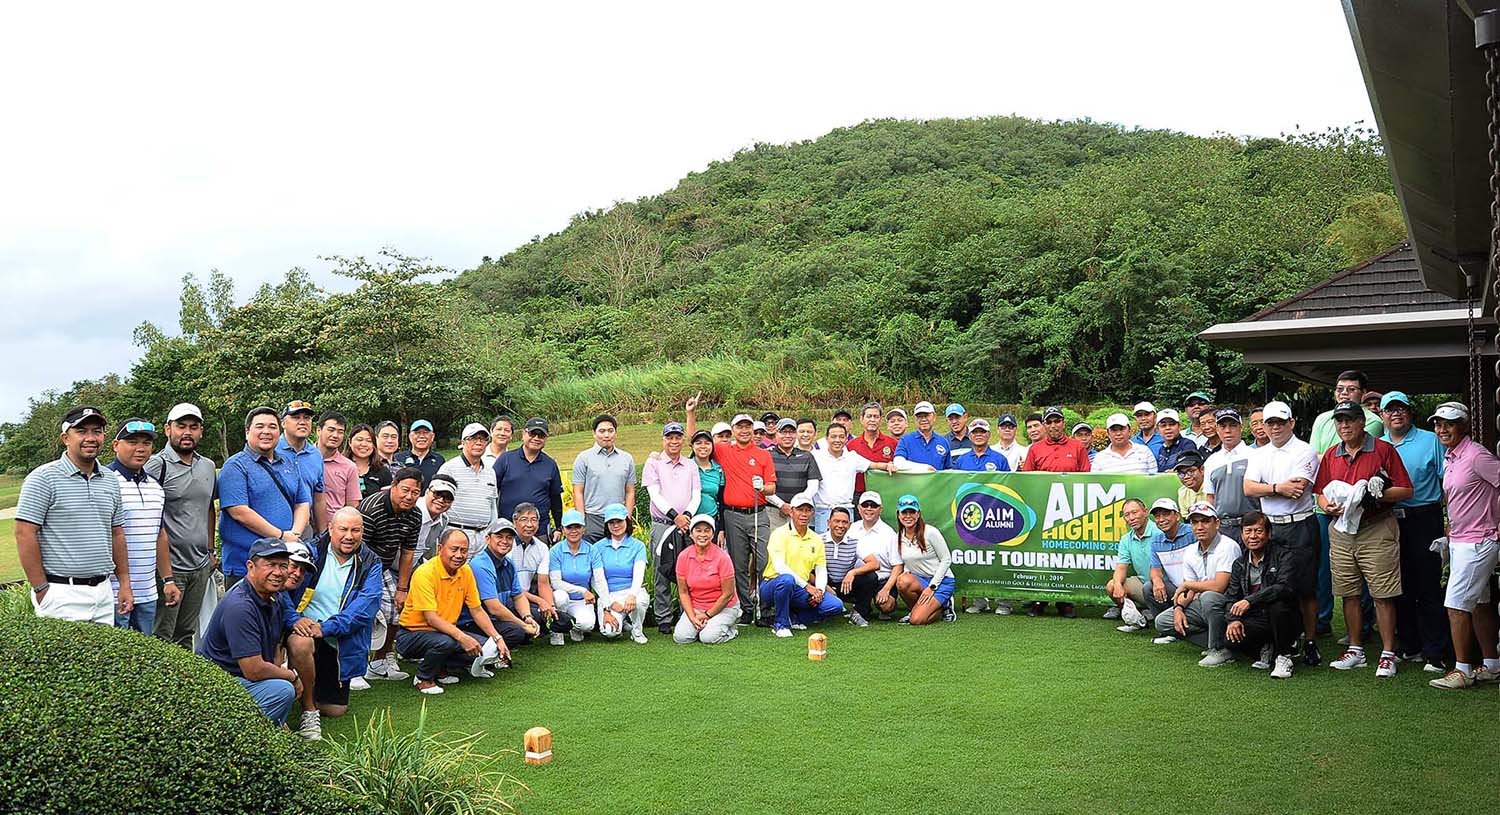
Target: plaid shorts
point(388, 596)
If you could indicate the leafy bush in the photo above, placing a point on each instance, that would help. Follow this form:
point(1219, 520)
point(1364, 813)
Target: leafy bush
point(97, 719)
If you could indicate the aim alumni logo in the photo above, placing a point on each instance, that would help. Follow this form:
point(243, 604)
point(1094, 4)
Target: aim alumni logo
point(991, 515)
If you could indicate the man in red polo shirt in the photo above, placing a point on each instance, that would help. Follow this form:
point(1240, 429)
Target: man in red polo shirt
point(1369, 552)
point(749, 476)
point(873, 445)
point(1056, 452)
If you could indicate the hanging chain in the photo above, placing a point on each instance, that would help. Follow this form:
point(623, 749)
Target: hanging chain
point(1476, 399)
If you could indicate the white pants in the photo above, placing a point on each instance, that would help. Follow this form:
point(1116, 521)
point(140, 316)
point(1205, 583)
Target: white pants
point(1470, 566)
point(720, 628)
point(86, 604)
point(634, 619)
point(583, 615)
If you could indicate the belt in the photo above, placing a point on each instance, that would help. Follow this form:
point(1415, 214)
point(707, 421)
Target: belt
point(1231, 521)
point(1404, 512)
point(77, 581)
point(468, 528)
point(744, 510)
point(1289, 519)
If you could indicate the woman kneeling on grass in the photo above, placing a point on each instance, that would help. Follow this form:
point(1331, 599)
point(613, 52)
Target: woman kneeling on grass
point(571, 569)
point(705, 582)
point(925, 585)
point(619, 566)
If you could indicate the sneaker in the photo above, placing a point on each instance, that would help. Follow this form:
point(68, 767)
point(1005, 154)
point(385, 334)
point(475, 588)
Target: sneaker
point(1283, 669)
point(1130, 614)
point(1416, 657)
point(885, 616)
point(387, 668)
point(447, 679)
point(1130, 628)
point(1484, 676)
point(906, 620)
point(1165, 639)
point(1003, 608)
point(312, 726)
point(1066, 610)
point(798, 627)
point(665, 628)
point(1112, 613)
point(1434, 668)
point(858, 620)
point(978, 606)
point(764, 622)
point(638, 636)
point(949, 615)
point(781, 632)
point(575, 635)
point(746, 618)
point(358, 683)
point(1386, 666)
point(1352, 658)
point(1453, 680)
point(1035, 609)
point(557, 638)
point(430, 690)
point(1264, 663)
point(1311, 657)
point(1344, 640)
point(1216, 657)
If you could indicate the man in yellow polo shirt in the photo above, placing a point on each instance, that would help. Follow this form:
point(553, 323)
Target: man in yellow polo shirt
point(440, 590)
point(796, 576)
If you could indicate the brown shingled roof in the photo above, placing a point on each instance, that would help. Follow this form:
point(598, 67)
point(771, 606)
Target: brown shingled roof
point(1389, 284)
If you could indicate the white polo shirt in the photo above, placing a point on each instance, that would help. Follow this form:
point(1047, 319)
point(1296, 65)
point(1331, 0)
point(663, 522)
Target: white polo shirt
point(1014, 454)
point(1220, 557)
point(1273, 465)
point(1138, 459)
point(879, 541)
point(530, 560)
point(836, 487)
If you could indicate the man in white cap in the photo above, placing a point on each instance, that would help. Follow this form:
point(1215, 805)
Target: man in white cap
point(922, 450)
point(474, 505)
point(1165, 572)
point(1421, 621)
point(895, 423)
point(1471, 484)
point(1281, 474)
point(796, 573)
point(980, 457)
point(1145, 419)
point(873, 537)
point(1173, 443)
point(188, 483)
point(1123, 454)
point(1198, 607)
point(1224, 474)
point(1084, 433)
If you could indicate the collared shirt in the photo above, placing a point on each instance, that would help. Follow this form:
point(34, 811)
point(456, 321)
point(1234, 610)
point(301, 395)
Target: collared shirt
point(1205, 564)
point(428, 464)
point(309, 462)
point(494, 581)
point(1138, 458)
point(802, 554)
point(568, 571)
point(607, 477)
point(704, 576)
point(617, 559)
point(474, 501)
point(1325, 433)
point(1166, 456)
point(328, 592)
point(740, 465)
point(883, 451)
point(340, 484)
point(841, 556)
point(1066, 455)
point(490, 457)
point(711, 491)
point(1187, 497)
point(1423, 456)
point(77, 515)
point(387, 531)
point(1373, 455)
point(433, 589)
point(189, 490)
point(1014, 454)
point(531, 559)
point(243, 625)
point(1224, 481)
point(264, 485)
point(957, 445)
point(1471, 483)
point(793, 471)
point(676, 481)
point(1152, 442)
point(878, 540)
point(1168, 554)
point(142, 499)
point(990, 461)
point(1272, 465)
point(520, 480)
point(932, 451)
point(838, 475)
point(1135, 550)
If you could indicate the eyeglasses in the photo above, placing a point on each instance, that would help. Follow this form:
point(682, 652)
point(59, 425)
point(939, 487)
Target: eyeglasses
point(869, 505)
point(442, 496)
point(139, 427)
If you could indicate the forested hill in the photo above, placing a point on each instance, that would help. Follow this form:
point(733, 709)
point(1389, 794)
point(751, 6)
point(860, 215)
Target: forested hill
point(1000, 259)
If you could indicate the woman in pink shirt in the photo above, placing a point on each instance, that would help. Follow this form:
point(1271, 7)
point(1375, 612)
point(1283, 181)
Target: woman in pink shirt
point(705, 585)
point(1471, 485)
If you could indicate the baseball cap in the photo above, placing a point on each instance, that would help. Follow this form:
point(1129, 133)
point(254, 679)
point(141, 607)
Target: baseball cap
point(615, 512)
point(722, 427)
point(1144, 407)
point(1452, 411)
point(908, 501)
point(81, 414)
point(1204, 509)
point(759, 427)
point(537, 424)
point(1117, 420)
point(1190, 458)
point(500, 525)
point(979, 424)
point(1166, 504)
point(954, 409)
point(573, 518)
point(702, 434)
point(1082, 426)
point(1394, 396)
point(1007, 418)
point(300, 553)
point(1168, 415)
point(843, 412)
point(269, 547)
point(769, 417)
point(672, 427)
point(471, 430)
point(801, 499)
point(1226, 415)
point(1049, 412)
point(421, 424)
point(701, 518)
point(922, 407)
point(786, 424)
point(1277, 410)
point(442, 482)
point(738, 417)
point(296, 406)
point(869, 496)
point(135, 426)
point(1376, 395)
point(182, 410)
point(895, 411)
point(1351, 410)
point(1199, 395)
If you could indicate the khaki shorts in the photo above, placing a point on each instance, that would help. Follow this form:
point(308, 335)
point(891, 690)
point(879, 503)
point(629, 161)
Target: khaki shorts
point(1373, 556)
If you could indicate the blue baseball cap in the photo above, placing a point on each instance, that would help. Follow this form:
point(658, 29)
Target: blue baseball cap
point(1394, 396)
point(421, 424)
point(615, 512)
point(672, 427)
point(573, 518)
point(954, 409)
point(907, 501)
point(269, 547)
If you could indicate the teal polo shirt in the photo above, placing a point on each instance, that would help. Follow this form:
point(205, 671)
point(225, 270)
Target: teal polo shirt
point(1422, 454)
point(1136, 551)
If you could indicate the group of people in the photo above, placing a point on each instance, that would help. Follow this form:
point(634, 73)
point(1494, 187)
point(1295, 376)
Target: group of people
point(342, 555)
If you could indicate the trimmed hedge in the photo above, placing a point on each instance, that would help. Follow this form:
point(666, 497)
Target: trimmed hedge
point(96, 719)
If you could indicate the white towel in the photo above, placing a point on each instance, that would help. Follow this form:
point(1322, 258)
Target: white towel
point(1350, 496)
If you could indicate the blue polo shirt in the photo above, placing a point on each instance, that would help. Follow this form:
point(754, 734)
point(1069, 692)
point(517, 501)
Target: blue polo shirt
point(1422, 454)
point(250, 479)
point(502, 585)
point(575, 569)
point(991, 461)
point(1166, 454)
point(243, 625)
point(537, 482)
point(617, 560)
point(917, 450)
point(1154, 443)
point(309, 461)
point(428, 464)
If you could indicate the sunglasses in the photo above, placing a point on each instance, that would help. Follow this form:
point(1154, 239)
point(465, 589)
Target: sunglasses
point(870, 505)
point(1053, 421)
point(298, 405)
point(139, 427)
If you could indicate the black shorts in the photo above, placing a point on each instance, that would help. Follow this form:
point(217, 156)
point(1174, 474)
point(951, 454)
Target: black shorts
point(1302, 539)
point(327, 689)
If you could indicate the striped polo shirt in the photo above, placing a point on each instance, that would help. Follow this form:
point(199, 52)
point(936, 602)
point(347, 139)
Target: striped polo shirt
point(142, 498)
point(76, 514)
point(841, 556)
point(474, 500)
point(387, 531)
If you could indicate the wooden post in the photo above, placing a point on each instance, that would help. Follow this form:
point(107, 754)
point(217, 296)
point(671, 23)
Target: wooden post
point(817, 647)
point(538, 745)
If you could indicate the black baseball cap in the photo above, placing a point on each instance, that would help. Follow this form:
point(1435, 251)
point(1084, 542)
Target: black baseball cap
point(537, 424)
point(1352, 410)
point(135, 426)
point(1190, 458)
point(842, 412)
point(80, 415)
point(1007, 418)
point(769, 417)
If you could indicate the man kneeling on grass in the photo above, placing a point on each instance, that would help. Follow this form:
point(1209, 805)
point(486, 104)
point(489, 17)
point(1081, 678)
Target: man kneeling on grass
point(440, 589)
point(331, 614)
point(796, 576)
point(245, 631)
point(502, 592)
point(1197, 612)
point(1264, 616)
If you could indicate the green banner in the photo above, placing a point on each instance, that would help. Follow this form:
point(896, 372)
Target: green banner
point(1026, 536)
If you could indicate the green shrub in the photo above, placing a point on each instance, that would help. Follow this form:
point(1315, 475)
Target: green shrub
point(100, 720)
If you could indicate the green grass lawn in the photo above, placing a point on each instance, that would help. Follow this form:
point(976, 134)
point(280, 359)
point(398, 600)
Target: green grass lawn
point(988, 714)
point(638, 440)
point(10, 559)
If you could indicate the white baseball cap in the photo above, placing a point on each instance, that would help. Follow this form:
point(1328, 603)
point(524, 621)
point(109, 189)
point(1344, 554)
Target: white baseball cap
point(922, 407)
point(1277, 410)
point(1165, 503)
point(720, 427)
point(473, 429)
point(1118, 420)
point(1144, 407)
point(183, 409)
point(1452, 411)
point(870, 496)
point(742, 417)
point(1168, 414)
point(1203, 508)
point(801, 499)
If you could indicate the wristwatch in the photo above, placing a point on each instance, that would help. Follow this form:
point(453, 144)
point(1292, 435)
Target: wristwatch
point(39, 589)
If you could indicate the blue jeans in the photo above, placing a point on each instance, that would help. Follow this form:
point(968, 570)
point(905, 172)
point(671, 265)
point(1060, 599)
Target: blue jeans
point(788, 596)
point(142, 618)
point(820, 519)
point(274, 697)
point(433, 651)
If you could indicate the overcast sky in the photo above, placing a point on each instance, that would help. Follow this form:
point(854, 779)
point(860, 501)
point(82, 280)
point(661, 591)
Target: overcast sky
point(146, 141)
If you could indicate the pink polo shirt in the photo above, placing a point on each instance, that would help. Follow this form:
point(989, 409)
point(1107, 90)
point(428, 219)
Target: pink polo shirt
point(1471, 484)
point(340, 483)
point(676, 481)
point(705, 576)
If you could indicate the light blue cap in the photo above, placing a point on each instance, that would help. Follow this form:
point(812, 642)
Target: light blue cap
point(615, 512)
point(421, 424)
point(907, 501)
point(954, 409)
point(1394, 396)
point(573, 518)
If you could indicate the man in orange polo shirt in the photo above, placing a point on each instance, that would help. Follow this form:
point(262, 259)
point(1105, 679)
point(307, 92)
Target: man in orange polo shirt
point(440, 589)
point(1055, 452)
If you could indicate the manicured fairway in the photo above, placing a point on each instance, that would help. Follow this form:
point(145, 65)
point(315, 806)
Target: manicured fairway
point(987, 714)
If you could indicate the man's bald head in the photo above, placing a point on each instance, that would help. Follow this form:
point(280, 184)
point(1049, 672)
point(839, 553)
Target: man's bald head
point(346, 531)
